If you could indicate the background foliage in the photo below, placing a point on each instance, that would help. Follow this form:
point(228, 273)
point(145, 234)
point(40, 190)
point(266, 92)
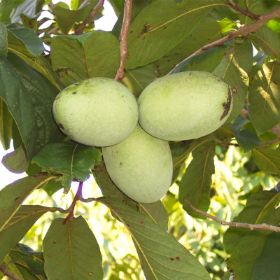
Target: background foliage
point(232, 173)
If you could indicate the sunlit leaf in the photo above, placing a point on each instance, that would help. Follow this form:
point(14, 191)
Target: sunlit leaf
point(264, 98)
point(73, 246)
point(154, 33)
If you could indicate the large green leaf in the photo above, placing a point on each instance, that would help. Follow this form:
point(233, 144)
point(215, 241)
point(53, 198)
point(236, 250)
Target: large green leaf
point(3, 39)
point(29, 98)
point(264, 98)
point(71, 251)
point(268, 160)
point(13, 195)
point(196, 182)
point(70, 159)
point(94, 54)
point(67, 18)
point(249, 250)
point(231, 72)
point(164, 256)
point(205, 31)
point(10, 268)
point(15, 229)
point(23, 40)
point(154, 33)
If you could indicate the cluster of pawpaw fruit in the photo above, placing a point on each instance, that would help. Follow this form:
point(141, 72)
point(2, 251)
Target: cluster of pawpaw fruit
point(134, 134)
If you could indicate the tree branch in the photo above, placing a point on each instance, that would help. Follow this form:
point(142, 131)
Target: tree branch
point(243, 11)
point(124, 39)
point(243, 31)
point(78, 196)
point(7, 273)
point(261, 227)
point(90, 17)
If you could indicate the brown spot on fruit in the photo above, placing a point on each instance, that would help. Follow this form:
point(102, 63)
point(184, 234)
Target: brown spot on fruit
point(60, 126)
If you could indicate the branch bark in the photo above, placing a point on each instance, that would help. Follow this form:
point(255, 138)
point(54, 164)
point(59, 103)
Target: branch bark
point(124, 39)
point(258, 227)
point(243, 11)
point(243, 31)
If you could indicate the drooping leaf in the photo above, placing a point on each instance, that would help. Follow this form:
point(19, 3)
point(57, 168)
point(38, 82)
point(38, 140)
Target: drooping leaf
point(264, 98)
point(16, 161)
point(6, 125)
point(249, 249)
point(153, 33)
point(165, 258)
point(23, 40)
point(94, 54)
point(70, 159)
point(66, 18)
point(73, 246)
point(29, 98)
point(268, 160)
point(3, 39)
point(196, 182)
point(17, 226)
point(230, 71)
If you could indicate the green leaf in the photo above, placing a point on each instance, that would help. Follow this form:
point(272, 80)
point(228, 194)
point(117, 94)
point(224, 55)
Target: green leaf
point(268, 41)
point(252, 246)
point(196, 182)
point(29, 98)
point(231, 72)
point(73, 246)
point(154, 33)
point(28, 262)
point(17, 226)
point(70, 159)
point(205, 31)
point(93, 54)
point(245, 133)
point(22, 40)
point(267, 160)
point(6, 126)
point(13, 195)
point(67, 18)
point(16, 161)
point(264, 98)
point(3, 39)
point(165, 257)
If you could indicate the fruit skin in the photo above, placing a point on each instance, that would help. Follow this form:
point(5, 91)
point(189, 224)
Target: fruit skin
point(183, 106)
point(96, 112)
point(141, 166)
